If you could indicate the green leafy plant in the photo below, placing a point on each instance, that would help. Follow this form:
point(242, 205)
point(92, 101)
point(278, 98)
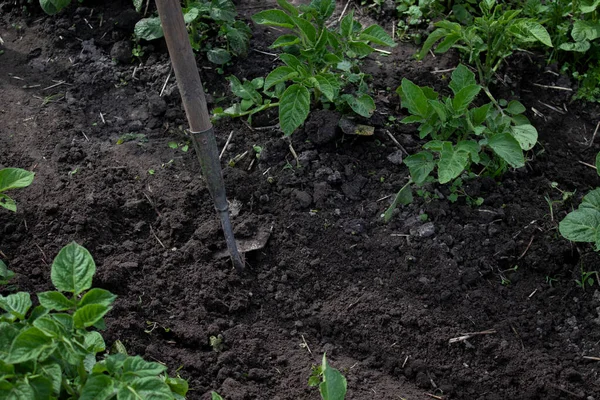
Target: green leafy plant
point(50, 351)
point(332, 384)
point(321, 63)
point(5, 274)
point(13, 178)
point(586, 278)
point(213, 28)
point(489, 40)
point(463, 135)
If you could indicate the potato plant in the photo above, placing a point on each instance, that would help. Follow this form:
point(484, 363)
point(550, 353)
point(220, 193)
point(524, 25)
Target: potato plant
point(13, 178)
point(51, 351)
point(332, 384)
point(321, 65)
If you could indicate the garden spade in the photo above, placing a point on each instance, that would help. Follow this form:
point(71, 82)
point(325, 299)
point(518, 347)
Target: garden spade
point(194, 102)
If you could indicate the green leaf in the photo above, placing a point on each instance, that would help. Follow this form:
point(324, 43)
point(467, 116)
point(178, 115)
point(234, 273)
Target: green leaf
point(273, 18)
point(471, 147)
point(5, 274)
point(515, 107)
point(526, 135)
point(190, 16)
point(73, 269)
point(413, 98)
point(148, 29)
point(307, 29)
point(591, 200)
point(581, 225)
point(94, 342)
point(178, 385)
point(359, 49)
point(377, 35)
point(52, 7)
point(462, 77)
point(238, 41)
point(420, 166)
point(16, 304)
point(15, 178)
point(507, 148)
point(19, 391)
point(439, 108)
point(479, 114)
point(7, 203)
point(432, 39)
point(137, 4)
point(536, 30)
point(215, 396)
point(53, 372)
point(291, 61)
point(55, 301)
point(579, 47)
point(324, 7)
point(326, 87)
point(334, 384)
point(294, 106)
point(88, 315)
point(287, 6)
point(404, 197)
point(137, 367)
point(585, 30)
point(285, 40)
point(279, 74)
point(464, 97)
point(150, 388)
point(451, 164)
point(218, 56)
point(363, 105)
point(98, 387)
point(42, 386)
point(8, 333)
point(97, 296)
point(50, 326)
point(347, 25)
point(28, 345)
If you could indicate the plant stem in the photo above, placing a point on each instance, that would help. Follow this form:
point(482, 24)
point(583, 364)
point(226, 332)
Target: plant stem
point(489, 95)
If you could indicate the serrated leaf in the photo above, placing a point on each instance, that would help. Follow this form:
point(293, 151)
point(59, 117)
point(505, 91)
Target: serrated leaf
point(377, 35)
point(451, 164)
point(507, 148)
point(148, 29)
point(465, 97)
point(461, 78)
point(273, 18)
point(88, 315)
point(218, 56)
point(97, 296)
point(28, 345)
point(73, 269)
point(526, 135)
point(55, 301)
point(294, 106)
point(580, 225)
point(413, 98)
point(16, 304)
point(420, 166)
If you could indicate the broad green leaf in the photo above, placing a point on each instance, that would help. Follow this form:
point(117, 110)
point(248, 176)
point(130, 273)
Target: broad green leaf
point(294, 107)
point(114, 362)
point(411, 119)
point(404, 197)
point(413, 98)
point(15, 178)
point(449, 41)
point(461, 78)
point(150, 388)
point(526, 135)
point(536, 30)
point(52, 7)
point(65, 320)
point(191, 15)
point(588, 6)
point(8, 203)
point(507, 148)
point(479, 114)
point(8, 333)
point(285, 40)
point(579, 47)
point(359, 49)
point(137, 367)
point(53, 372)
point(580, 225)
point(464, 97)
point(420, 166)
point(73, 269)
point(287, 6)
point(431, 40)
point(439, 108)
point(279, 74)
point(178, 385)
point(363, 105)
point(273, 18)
point(94, 342)
point(471, 147)
point(585, 30)
point(215, 396)
point(307, 29)
point(55, 301)
point(88, 315)
point(36, 313)
point(222, 10)
point(238, 41)
point(28, 345)
point(434, 145)
point(218, 56)
point(137, 4)
point(451, 164)
point(377, 35)
point(291, 61)
point(334, 384)
point(515, 107)
point(16, 304)
point(5, 274)
point(325, 86)
point(148, 29)
point(97, 296)
point(42, 386)
point(18, 391)
point(347, 25)
point(98, 387)
point(50, 326)
point(591, 200)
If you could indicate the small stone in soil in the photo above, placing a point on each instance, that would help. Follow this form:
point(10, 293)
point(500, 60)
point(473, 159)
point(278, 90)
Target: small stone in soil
point(303, 198)
point(395, 158)
point(425, 230)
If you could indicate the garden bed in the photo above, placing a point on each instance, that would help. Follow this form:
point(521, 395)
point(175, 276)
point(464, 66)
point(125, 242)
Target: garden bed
point(383, 300)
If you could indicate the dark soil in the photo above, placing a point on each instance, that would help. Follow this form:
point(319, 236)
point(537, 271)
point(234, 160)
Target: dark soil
point(381, 300)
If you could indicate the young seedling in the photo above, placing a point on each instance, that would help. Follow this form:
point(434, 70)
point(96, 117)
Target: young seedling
point(5, 274)
point(13, 178)
point(587, 278)
point(332, 384)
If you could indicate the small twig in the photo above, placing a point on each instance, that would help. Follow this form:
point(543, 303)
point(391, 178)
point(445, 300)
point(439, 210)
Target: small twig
point(558, 110)
point(31, 86)
point(518, 337)
point(532, 293)
point(433, 396)
point(527, 248)
point(442, 71)
point(405, 361)
point(2, 254)
point(226, 144)
point(156, 237)
point(85, 136)
point(102, 118)
point(594, 135)
point(586, 164)
point(166, 81)
point(265, 53)
point(88, 24)
point(553, 87)
point(295, 155)
point(55, 85)
point(591, 358)
point(469, 335)
point(251, 164)
point(344, 10)
point(267, 171)
point(396, 142)
point(383, 51)
point(384, 197)
point(305, 345)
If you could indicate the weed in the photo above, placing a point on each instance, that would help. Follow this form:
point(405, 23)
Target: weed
point(183, 146)
point(13, 178)
point(587, 278)
point(50, 351)
point(216, 342)
point(128, 137)
point(5, 274)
